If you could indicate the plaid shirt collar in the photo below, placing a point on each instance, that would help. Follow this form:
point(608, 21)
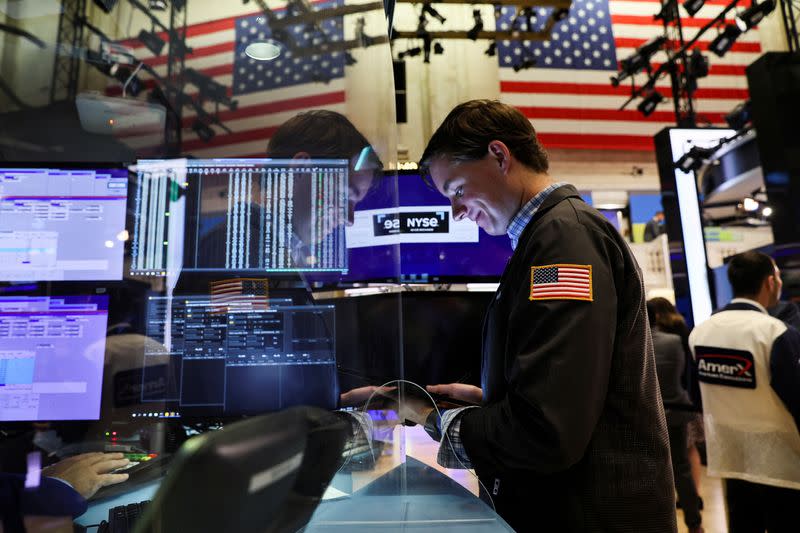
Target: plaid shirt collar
point(524, 215)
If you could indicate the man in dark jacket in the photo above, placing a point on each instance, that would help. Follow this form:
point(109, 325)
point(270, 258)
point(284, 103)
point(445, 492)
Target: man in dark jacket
point(570, 433)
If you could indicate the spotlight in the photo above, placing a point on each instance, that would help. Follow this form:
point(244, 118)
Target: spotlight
point(158, 5)
point(151, 41)
point(492, 50)
point(740, 116)
point(668, 13)
point(411, 52)
point(724, 41)
point(478, 27)
point(754, 14)
point(526, 63)
point(209, 88)
point(698, 64)
point(349, 60)
point(428, 9)
point(639, 60)
point(649, 103)
point(693, 6)
point(766, 212)
point(651, 47)
point(692, 160)
point(203, 131)
point(697, 68)
point(438, 49)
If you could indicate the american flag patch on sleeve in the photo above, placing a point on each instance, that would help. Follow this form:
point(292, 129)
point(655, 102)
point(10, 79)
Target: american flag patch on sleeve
point(561, 282)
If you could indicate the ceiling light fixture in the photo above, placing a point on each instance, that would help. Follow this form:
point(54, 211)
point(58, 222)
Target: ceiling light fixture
point(266, 50)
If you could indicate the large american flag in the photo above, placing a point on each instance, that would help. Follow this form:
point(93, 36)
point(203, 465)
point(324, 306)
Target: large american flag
point(268, 93)
point(568, 96)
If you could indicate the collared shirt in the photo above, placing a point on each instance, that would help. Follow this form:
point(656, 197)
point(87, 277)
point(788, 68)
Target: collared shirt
point(525, 214)
point(750, 302)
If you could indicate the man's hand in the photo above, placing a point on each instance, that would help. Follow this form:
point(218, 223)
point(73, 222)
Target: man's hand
point(357, 397)
point(88, 472)
point(458, 391)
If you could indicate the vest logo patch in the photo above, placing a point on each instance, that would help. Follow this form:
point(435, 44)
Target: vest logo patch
point(724, 366)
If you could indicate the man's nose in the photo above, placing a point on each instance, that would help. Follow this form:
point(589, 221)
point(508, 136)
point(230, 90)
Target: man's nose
point(459, 211)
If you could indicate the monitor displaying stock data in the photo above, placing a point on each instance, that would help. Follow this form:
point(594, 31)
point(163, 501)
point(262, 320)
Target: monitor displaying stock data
point(51, 357)
point(256, 215)
point(62, 224)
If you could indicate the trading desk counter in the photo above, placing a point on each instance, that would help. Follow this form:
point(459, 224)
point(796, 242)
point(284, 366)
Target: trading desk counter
point(411, 496)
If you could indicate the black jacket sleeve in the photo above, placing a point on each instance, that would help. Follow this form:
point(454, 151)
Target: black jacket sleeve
point(561, 352)
point(785, 370)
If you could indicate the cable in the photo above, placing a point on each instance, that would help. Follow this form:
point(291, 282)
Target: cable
point(445, 435)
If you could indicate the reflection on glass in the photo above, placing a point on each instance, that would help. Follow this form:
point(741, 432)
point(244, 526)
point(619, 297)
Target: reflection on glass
point(241, 215)
point(229, 357)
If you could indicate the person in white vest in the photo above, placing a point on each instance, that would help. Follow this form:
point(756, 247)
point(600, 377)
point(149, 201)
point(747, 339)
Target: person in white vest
point(749, 371)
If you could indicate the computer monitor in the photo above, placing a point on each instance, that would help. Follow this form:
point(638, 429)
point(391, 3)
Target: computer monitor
point(244, 215)
point(213, 359)
point(51, 357)
point(433, 246)
point(266, 474)
point(62, 222)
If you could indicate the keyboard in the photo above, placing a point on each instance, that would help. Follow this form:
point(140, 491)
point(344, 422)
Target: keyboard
point(138, 474)
point(121, 519)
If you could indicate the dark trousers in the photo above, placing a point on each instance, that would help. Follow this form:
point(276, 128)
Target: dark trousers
point(682, 471)
point(756, 508)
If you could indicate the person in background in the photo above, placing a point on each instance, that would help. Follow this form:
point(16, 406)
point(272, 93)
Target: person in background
point(654, 227)
point(669, 320)
point(749, 369)
point(670, 361)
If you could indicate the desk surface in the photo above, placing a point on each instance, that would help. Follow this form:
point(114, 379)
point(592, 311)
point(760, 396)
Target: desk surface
point(410, 496)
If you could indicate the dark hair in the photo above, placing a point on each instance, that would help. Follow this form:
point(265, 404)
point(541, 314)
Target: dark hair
point(466, 132)
point(747, 272)
point(319, 133)
point(664, 315)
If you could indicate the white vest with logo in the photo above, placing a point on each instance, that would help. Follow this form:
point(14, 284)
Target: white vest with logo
point(750, 434)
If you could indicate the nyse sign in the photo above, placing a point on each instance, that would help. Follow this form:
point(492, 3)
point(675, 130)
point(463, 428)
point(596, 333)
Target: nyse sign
point(411, 222)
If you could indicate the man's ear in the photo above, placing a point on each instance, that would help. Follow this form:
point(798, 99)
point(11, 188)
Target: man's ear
point(501, 154)
point(770, 283)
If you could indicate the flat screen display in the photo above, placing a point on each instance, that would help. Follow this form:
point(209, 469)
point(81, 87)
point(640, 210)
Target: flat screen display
point(405, 212)
point(52, 352)
point(62, 224)
point(239, 215)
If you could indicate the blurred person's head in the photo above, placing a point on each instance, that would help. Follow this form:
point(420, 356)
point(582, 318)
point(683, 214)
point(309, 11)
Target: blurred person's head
point(754, 275)
point(485, 157)
point(324, 134)
point(663, 315)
